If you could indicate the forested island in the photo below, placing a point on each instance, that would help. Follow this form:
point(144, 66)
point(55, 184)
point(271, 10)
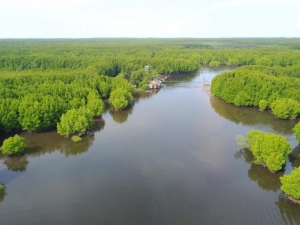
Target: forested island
point(62, 83)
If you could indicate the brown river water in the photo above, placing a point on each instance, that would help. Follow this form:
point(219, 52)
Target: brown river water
point(171, 159)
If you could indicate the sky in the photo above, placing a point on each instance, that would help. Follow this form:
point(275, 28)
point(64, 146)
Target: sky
point(149, 18)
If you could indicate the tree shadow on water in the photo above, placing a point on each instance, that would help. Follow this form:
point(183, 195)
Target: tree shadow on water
point(121, 116)
point(17, 164)
point(47, 143)
point(251, 117)
point(32, 149)
point(38, 144)
point(2, 195)
point(244, 154)
point(290, 211)
point(264, 178)
point(142, 95)
point(98, 125)
point(71, 148)
point(261, 175)
point(294, 157)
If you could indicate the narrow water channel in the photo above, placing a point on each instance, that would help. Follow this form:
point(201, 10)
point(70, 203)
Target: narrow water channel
point(171, 159)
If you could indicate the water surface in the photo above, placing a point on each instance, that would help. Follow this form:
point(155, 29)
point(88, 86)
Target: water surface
point(170, 159)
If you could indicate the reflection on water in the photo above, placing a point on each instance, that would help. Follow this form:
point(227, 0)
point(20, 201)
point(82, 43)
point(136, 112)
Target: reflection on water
point(143, 95)
point(172, 80)
point(289, 211)
point(98, 125)
point(169, 163)
point(261, 175)
point(76, 148)
point(2, 195)
point(120, 116)
point(17, 164)
point(38, 144)
point(2, 156)
point(294, 157)
point(244, 154)
point(251, 117)
point(264, 178)
point(43, 143)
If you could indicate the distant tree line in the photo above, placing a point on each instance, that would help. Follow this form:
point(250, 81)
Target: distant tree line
point(165, 56)
point(42, 82)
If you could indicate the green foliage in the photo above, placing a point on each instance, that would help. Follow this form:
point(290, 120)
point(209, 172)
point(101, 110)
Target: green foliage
point(76, 103)
point(39, 112)
point(233, 62)
point(75, 121)
point(291, 183)
point(111, 57)
point(141, 78)
point(9, 114)
point(268, 149)
point(137, 77)
point(103, 88)
point(265, 61)
point(120, 98)
point(285, 108)
point(76, 138)
point(242, 141)
point(122, 83)
point(263, 104)
point(42, 79)
point(30, 115)
point(242, 99)
point(258, 86)
point(2, 187)
point(214, 64)
point(13, 145)
point(95, 104)
point(296, 129)
point(143, 88)
point(36, 103)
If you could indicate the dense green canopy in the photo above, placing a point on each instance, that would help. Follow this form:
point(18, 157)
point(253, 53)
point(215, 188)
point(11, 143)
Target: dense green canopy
point(75, 121)
point(258, 86)
point(42, 79)
point(268, 149)
point(35, 103)
point(291, 183)
point(13, 145)
point(296, 129)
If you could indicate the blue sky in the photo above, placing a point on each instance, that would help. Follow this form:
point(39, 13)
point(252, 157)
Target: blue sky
point(149, 18)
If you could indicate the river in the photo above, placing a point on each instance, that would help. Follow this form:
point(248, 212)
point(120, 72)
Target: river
point(171, 159)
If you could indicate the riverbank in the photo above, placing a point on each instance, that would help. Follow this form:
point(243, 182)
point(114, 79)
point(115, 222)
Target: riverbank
point(170, 149)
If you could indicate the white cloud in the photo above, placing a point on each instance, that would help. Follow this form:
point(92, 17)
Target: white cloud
point(298, 23)
point(269, 3)
point(47, 4)
point(148, 18)
point(170, 27)
point(231, 3)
